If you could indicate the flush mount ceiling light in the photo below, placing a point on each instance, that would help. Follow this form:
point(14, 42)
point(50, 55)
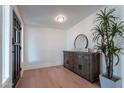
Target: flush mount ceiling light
point(60, 18)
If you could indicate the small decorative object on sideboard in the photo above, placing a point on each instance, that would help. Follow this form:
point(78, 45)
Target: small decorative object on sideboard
point(85, 64)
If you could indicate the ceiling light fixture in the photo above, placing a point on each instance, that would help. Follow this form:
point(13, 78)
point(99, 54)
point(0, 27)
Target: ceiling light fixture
point(60, 18)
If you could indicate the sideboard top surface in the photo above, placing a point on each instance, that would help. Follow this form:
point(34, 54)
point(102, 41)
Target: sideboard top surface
point(79, 51)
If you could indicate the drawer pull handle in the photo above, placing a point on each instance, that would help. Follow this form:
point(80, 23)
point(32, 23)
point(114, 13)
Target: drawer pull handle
point(67, 62)
point(80, 67)
point(81, 56)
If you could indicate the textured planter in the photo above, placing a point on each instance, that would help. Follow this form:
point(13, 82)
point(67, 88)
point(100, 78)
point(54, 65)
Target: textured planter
point(107, 83)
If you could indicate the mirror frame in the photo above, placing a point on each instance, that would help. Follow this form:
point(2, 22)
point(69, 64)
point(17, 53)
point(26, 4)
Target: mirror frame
point(84, 37)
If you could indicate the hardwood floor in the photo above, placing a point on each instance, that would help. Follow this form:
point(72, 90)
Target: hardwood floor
point(53, 77)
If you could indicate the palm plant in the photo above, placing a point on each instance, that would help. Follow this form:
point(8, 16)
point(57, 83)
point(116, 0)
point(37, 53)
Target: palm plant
point(106, 32)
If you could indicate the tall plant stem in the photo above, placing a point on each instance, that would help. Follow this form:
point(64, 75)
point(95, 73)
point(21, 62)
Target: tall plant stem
point(110, 67)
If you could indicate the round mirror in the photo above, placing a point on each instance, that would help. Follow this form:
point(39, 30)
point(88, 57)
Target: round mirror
point(81, 41)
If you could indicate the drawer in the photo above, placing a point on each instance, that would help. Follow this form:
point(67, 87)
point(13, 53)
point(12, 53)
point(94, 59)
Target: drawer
point(82, 66)
point(68, 64)
point(82, 70)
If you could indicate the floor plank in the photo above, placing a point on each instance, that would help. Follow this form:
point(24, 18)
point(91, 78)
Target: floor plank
point(53, 77)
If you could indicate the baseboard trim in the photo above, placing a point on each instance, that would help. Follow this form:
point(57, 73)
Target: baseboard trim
point(31, 66)
point(22, 68)
point(0, 85)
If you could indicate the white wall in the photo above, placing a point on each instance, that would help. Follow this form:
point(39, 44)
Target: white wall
point(43, 47)
point(85, 27)
point(122, 56)
point(0, 46)
point(6, 43)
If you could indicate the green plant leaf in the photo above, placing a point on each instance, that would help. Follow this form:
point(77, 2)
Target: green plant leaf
point(108, 29)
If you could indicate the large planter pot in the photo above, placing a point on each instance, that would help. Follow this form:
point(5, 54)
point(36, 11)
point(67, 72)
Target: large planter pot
point(107, 83)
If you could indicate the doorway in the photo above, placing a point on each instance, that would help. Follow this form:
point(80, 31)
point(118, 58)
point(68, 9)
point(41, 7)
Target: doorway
point(16, 50)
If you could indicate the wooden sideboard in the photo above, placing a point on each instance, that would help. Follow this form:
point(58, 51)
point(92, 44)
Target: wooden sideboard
point(85, 64)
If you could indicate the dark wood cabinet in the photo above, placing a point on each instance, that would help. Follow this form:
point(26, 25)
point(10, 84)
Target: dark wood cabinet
point(85, 64)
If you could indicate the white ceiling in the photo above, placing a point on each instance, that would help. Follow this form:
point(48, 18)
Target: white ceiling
point(44, 15)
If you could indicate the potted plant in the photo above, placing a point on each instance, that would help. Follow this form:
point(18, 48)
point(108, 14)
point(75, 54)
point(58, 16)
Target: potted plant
point(109, 38)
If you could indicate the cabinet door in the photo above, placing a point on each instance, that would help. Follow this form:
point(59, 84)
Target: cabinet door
point(82, 66)
point(85, 62)
point(78, 67)
point(68, 60)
